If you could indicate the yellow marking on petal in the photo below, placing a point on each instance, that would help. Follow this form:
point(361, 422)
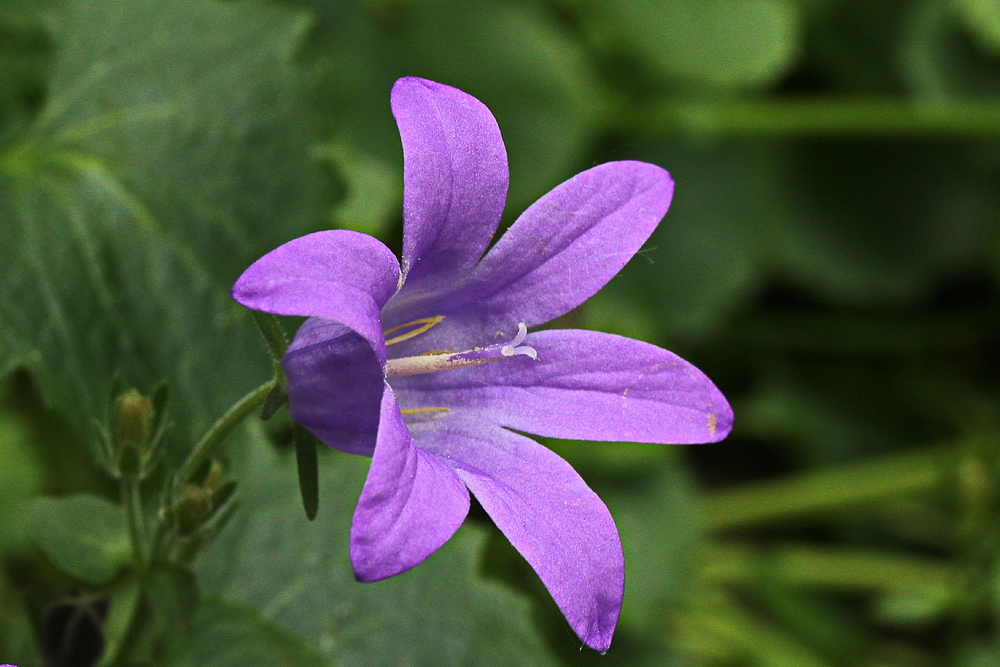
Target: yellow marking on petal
point(417, 411)
point(451, 351)
point(424, 322)
point(712, 421)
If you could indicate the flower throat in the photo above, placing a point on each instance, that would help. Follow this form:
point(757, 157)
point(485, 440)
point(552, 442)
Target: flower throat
point(434, 361)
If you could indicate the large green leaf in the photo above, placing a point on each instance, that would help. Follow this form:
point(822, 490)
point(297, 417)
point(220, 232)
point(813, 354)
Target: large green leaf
point(729, 43)
point(172, 151)
point(853, 44)
point(298, 575)
point(882, 221)
point(23, 473)
point(515, 57)
point(983, 18)
point(227, 634)
point(23, 56)
point(88, 291)
point(82, 535)
point(193, 112)
point(938, 59)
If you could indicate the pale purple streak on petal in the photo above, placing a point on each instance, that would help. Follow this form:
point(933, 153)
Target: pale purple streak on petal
point(338, 275)
point(334, 386)
point(585, 385)
point(548, 513)
point(454, 176)
point(412, 502)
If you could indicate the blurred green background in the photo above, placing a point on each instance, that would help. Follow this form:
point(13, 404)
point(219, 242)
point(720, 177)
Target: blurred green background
point(831, 260)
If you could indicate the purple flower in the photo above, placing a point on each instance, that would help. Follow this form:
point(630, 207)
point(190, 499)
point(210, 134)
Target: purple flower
point(428, 368)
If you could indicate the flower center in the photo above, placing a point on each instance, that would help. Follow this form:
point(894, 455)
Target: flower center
point(431, 363)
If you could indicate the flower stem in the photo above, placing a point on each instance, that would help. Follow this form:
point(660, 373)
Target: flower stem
point(132, 500)
point(810, 117)
point(825, 490)
point(849, 569)
point(276, 341)
point(221, 429)
point(133, 629)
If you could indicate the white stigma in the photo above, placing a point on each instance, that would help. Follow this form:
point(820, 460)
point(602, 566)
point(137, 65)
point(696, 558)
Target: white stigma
point(511, 348)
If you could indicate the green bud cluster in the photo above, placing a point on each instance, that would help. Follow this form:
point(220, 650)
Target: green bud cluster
point(133, 440)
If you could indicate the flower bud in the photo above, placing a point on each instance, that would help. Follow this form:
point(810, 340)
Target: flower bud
point(193, 508)
point(132, 419)
point(73, 634)
point(198, 503)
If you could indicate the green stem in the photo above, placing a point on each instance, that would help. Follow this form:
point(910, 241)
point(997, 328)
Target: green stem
point(133, 630)
point(221, 429)
point(824, 490)
point(715, 625)
point(848, 569)
point(136, 520)
point(810, 117)
point(276, 341)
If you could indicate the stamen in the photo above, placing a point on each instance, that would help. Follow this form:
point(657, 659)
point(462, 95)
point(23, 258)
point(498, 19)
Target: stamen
point(430, 363)
point(417, 411)
point(424, 323)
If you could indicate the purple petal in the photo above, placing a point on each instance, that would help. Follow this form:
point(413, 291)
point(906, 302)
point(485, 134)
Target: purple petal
point(585, 385)
point(454, 176)
point(572, 241)
point(338, 275)
point(335, 382)
point(562, 250)
point(548, 513)
point(412, 502)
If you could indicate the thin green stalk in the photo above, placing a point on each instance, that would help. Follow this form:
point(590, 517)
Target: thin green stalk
point(133, 630)
point(809, 566)
point(810, 117)
point(276, 341)
point(132, 499)
point(824, 490)
point(221, 429)
point(714, 624)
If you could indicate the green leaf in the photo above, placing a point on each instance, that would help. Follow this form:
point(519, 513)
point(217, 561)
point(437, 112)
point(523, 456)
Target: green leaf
point(374, 190)
point(88, 292)
point(515, 57)
point(938, 59)
point(854, 43)
point(298, 575)
point(83, 535)
point(307, 464)
point(23, 472)
point(24, 55)
point(229, 634)
point(722, 43)
point(172, 152)
point(882, 221)
point(982, 17)
point(193, 112)
point(173, 600)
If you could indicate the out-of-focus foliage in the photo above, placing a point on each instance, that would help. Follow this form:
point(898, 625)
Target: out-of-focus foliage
point(831, 259)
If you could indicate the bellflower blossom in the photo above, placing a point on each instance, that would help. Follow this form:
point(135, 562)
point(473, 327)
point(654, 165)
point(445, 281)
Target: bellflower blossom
point(428, 366)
